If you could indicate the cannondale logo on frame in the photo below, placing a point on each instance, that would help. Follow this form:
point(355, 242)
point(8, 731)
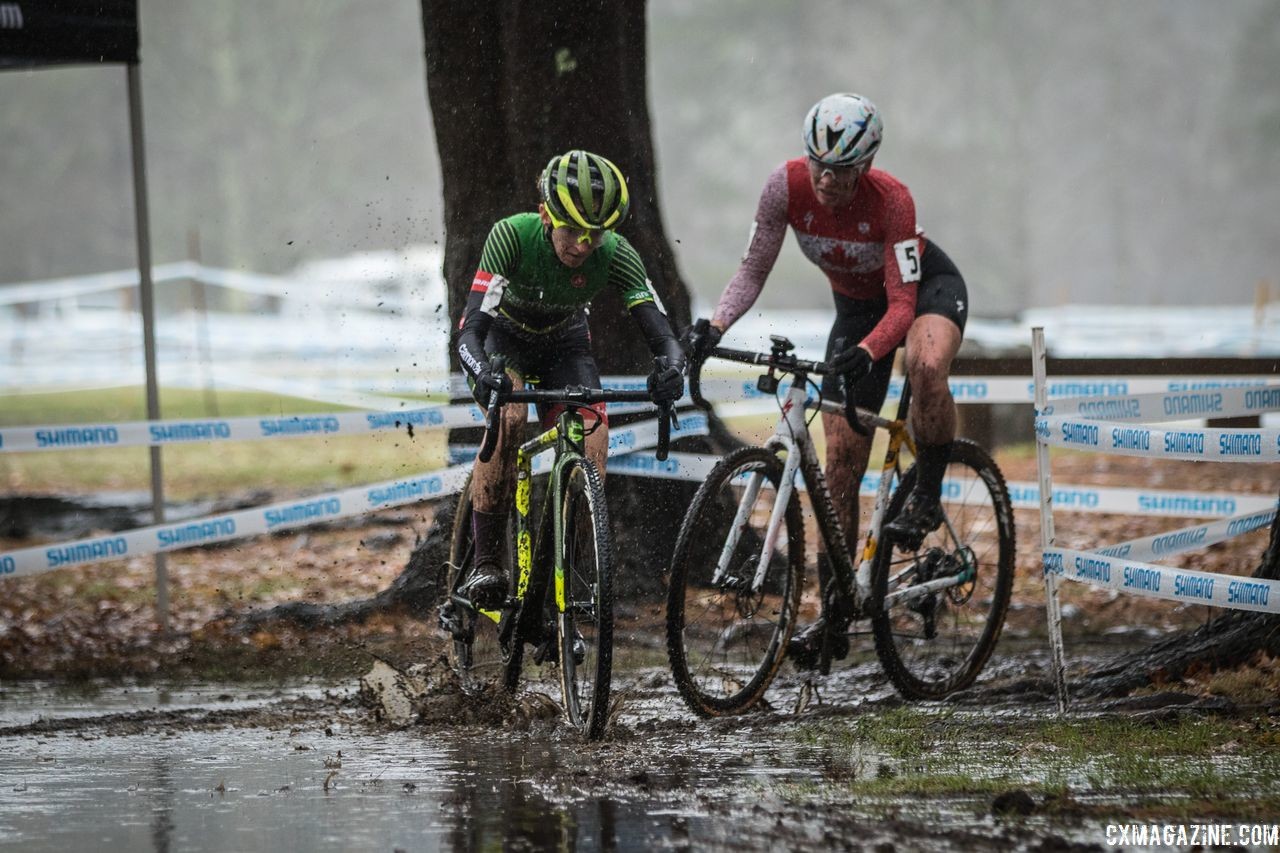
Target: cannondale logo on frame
point(10, 16)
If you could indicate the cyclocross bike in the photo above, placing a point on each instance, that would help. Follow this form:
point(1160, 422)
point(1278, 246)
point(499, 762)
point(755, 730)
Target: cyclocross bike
point(738, 569)
point(574, 629)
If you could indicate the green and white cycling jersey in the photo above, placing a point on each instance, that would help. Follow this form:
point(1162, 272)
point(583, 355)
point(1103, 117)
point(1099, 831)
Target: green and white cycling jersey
point(523, 284)
point(523, 291)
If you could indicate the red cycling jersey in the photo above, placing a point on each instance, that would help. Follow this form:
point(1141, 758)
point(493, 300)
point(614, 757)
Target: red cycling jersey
point(869, 250)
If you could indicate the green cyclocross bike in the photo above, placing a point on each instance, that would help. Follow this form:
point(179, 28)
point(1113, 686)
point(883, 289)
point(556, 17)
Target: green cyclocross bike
point(566, 550)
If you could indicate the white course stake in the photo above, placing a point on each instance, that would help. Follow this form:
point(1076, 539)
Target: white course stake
point(1047, 535)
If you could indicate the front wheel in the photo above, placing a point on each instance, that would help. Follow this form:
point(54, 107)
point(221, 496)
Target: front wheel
point(584, 598)
point(935, 641)
point(727, 631)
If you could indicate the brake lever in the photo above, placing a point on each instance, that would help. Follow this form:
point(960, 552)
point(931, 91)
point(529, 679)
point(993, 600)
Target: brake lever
point(492, 415)
point(851, 411)
point(664, 432)
point(695, 384)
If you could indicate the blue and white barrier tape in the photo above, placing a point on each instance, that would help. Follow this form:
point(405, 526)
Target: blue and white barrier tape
point(1150, 581)
point(372, 392)
point(141, 433)
point(1170, 405)
point(233, 525)
point(689, 467)
point(1222, 445)
point(739, 396)
point(289, 514)
point(1193, 538)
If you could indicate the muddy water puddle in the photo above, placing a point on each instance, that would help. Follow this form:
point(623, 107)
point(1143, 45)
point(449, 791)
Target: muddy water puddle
point(25, 703)
point(330, 783)
point(218, 767)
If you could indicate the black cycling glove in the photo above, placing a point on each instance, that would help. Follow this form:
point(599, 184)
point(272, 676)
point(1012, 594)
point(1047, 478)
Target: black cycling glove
point(488, 381)
point(700, 339)
point(852, 363)
point(666, 383)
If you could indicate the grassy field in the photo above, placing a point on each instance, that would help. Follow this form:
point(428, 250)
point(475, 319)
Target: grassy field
point(1159, 767)
point(200, 470)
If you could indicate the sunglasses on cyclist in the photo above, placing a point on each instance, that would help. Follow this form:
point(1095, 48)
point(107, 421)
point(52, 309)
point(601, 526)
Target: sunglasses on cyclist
point(594, 236)
point(839, 174)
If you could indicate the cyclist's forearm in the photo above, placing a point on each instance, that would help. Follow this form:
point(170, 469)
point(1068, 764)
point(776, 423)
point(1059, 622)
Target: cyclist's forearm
point(657, 331)
point(475, 327)
point(895, 323)
point(768, 231)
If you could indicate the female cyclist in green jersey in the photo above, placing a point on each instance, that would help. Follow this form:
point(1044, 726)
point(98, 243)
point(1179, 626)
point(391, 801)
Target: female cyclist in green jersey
point(528, 302)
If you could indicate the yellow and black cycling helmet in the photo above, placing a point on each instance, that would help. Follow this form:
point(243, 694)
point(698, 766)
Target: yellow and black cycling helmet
point(584, 190)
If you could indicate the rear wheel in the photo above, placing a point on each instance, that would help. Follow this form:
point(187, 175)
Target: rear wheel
point(479, 640)
point(584, 624)
point(726, 635)
point(936, 642)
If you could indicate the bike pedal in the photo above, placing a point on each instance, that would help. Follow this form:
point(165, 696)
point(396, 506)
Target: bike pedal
point(544, 645)
point(448, 620)
point(545, 651)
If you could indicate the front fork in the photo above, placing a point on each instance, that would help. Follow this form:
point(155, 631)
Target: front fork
point(791, 423)
point(570, 439)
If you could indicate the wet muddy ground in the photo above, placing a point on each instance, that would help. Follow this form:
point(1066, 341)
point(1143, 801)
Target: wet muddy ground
point(218, 762)
point(312, 766)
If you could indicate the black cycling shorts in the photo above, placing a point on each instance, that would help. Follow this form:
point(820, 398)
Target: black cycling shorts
point(941, 291)
point(551, 360)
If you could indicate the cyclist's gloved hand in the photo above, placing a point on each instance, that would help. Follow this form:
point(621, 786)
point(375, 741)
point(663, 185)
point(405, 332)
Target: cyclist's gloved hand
point(488, 381)
point(700, 339)
point(666, 383)
point(852, 363)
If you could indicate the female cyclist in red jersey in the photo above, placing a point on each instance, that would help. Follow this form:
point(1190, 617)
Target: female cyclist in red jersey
point(890, 284)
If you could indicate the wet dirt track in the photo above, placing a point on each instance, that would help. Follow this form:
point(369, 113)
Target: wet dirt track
point(211, 767)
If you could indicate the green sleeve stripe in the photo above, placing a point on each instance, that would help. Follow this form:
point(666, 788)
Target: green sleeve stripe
point(627, 273)
point(501, 250)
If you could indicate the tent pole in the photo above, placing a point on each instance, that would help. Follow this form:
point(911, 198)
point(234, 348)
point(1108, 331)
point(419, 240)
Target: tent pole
point(147, 292)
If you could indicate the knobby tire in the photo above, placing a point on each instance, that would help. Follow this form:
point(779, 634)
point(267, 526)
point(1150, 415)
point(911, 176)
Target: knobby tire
point(940, 643)
point(725, 645)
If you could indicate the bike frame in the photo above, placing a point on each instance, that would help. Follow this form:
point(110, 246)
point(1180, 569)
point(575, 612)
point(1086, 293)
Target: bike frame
point(567, 438)
point(791, 435)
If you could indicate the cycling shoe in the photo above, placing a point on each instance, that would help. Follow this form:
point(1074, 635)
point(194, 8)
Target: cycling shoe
point(805, 648)
point(920, 517)
point(487, 587)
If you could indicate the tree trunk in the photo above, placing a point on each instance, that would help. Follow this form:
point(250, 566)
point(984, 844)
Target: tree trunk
point(511, 86)
point(1229, 639)
point(512, 83)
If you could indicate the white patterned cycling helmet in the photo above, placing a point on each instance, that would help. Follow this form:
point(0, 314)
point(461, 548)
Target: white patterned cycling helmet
point(843, 130)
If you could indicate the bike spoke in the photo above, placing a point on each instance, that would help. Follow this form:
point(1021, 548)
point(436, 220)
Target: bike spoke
point(935, 643)
point(585, 627)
